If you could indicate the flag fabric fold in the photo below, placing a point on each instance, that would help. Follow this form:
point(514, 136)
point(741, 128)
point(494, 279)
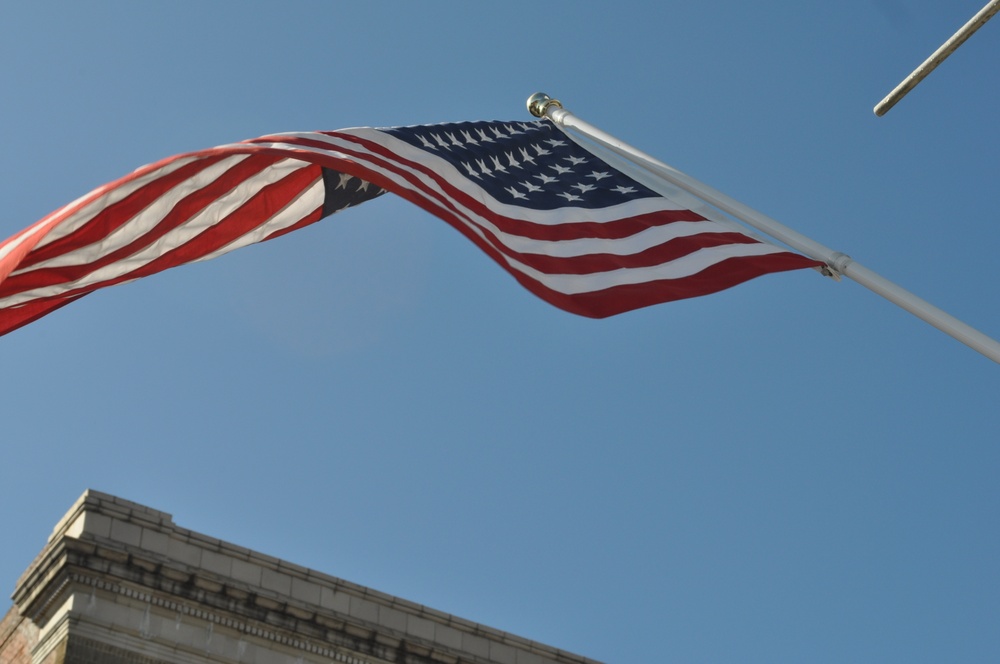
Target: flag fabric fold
point(569, 227)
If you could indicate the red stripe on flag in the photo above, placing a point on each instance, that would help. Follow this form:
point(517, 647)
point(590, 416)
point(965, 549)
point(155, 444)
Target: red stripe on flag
point(249, 215)
point(118, 214)
point(186, 208)
point(620, 299)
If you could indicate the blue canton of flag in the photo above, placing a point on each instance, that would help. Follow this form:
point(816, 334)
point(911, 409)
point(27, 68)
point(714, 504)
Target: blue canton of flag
point(531, 164)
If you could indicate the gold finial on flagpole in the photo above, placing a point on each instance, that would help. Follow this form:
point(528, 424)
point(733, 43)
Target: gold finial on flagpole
point(539, 102)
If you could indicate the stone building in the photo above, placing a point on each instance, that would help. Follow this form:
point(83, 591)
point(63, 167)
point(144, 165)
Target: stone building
point(119, 583)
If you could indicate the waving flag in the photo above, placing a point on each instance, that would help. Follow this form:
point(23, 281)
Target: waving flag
point(568, 226)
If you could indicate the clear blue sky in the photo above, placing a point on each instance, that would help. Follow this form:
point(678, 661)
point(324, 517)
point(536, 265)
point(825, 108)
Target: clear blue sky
point(792, 470)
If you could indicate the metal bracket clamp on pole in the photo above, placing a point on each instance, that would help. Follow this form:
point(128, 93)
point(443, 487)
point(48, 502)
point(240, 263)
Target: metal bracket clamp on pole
point(937, 57)
point(542, 106)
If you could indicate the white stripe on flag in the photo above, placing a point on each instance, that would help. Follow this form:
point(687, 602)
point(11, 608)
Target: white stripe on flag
point(693, 263)
point(196, 225)
point(145, 220)
point(307, 202)
point(103, 197)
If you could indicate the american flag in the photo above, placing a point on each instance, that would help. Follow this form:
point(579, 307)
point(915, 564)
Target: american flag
point(567, 225)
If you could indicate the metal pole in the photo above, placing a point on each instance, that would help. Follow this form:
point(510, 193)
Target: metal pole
point(541, 105)
point(937, 57)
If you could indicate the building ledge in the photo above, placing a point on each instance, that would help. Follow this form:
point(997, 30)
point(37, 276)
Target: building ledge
point(124, 575)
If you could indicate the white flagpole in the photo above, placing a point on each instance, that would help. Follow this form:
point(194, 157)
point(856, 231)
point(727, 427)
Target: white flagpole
point(937, 57)
point(541, 105)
